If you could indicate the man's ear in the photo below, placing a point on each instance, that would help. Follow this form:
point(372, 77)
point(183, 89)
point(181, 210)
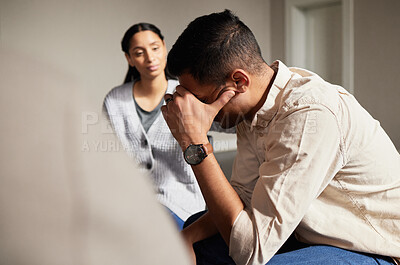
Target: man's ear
point(128, 58)
point(241, 80)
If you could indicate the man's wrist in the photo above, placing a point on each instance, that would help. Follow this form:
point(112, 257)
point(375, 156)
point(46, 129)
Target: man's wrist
point(185, 143)
point(196, 153)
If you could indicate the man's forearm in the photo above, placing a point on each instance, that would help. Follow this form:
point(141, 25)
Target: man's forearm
point(201, 229)
point(224, 204)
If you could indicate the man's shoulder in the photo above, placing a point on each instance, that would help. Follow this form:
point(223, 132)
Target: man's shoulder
point(311, 89)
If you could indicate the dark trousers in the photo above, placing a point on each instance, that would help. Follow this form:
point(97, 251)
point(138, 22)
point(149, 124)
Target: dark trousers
point(214, 251)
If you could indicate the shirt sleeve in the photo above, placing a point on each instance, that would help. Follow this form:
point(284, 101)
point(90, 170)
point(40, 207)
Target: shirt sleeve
point(302, 154)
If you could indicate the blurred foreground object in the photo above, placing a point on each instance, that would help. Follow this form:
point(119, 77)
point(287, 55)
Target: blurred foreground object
point(68, 192)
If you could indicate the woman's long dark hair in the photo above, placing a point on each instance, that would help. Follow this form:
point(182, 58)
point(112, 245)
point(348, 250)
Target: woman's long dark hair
point(133, 74)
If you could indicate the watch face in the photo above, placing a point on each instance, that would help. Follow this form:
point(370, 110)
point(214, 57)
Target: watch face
point(194, 154)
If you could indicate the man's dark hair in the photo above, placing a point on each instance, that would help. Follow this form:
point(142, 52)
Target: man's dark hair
point(212, 46)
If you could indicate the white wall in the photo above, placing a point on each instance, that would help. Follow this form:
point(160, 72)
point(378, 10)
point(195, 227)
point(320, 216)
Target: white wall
point(376, 61)
point(376, 57)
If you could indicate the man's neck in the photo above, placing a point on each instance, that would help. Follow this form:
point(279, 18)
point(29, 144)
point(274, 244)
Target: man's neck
point(262, 86)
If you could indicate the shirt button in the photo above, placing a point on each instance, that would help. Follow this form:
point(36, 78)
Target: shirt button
point(145, 143)
point(148, 165)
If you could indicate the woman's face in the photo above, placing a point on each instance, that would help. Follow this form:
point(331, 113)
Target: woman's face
point(147, 52)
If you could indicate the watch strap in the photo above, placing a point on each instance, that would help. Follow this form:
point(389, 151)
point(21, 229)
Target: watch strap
point(208, 148)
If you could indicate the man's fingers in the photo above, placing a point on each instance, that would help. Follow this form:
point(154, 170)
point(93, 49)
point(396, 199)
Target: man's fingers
point(217, 105)
point(164, 112)
point(223, 99)
point(168, 97)
point(181, 91)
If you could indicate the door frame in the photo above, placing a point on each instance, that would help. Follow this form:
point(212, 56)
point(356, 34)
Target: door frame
point(295, 41)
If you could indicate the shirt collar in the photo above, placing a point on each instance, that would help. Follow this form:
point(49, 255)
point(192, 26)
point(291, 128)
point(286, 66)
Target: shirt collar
point(267, 112)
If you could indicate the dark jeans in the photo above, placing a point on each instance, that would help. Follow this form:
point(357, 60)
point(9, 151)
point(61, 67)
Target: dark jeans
point(214, 251)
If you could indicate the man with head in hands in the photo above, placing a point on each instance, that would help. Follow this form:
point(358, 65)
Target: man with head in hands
point(311, 162)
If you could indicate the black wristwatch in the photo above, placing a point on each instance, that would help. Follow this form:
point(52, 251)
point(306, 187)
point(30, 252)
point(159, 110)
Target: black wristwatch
point(195, 153)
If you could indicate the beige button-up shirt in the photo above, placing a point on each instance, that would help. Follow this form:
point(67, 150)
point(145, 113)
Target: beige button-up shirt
point(315, 162)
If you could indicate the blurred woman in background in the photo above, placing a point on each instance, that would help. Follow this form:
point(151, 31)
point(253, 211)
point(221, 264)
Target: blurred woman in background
point(134, 111)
